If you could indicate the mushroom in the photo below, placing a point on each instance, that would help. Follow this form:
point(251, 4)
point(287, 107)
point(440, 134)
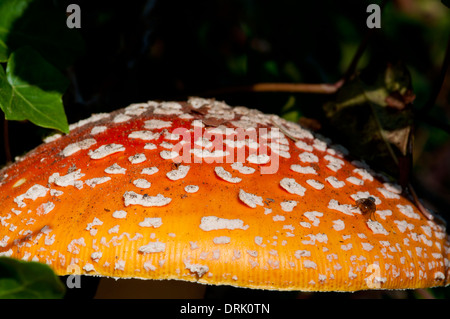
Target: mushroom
point(202, 192)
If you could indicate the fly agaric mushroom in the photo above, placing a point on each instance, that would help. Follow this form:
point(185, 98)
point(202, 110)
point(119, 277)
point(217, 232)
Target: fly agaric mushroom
point(203, 192)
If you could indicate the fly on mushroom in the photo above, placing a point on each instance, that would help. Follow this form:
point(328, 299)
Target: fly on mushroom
point(367, 206)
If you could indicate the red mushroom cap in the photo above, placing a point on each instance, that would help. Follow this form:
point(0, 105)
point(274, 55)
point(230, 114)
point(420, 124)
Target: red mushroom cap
point(200, 191)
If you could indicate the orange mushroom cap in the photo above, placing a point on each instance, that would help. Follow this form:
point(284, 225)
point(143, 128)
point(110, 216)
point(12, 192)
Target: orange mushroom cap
point(200, 191)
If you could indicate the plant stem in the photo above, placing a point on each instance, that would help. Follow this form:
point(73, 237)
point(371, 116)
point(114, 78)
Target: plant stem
point(321, 88)
point(359, 52)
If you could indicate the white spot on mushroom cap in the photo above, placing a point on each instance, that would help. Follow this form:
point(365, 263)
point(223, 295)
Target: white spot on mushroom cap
point(278, 218)
point(178, 173)
point(367, 246)
point(321, 238)
point(98, 129)
point(199, 269)
point(157, 124)
point(258, 159)
point(203, 153)
point(142, 183)
point(209, 223)
point(120, 214)
point(4, 241)
point(191, 189)
point(309, 264)
point(338, 225)
point(225, 175)
point(119, 265)
point(149, 170)
point(343, 208)
point(250, 200)
point(90, 226)
point(32, 193)
point(197, 123)
point(392, 187)
point(320, 145)
point(384, 213)
point(304, 146)
point(93, 118)
point(52, 138)
point(78, 146)
point(290, 185)
point(144, 135)
point(168, 155)
point(131, 198)
point(347, 246)
point(288, 205)
point(96, 181)
point(106, 150)
point(355, 181)
point(73, 248)
point(115, 169)
point(45, 208)
point(150, 146)
point(221, 240)
point(303, 169)
point(193, 245)
point(308, 157)
point(376, 227)
point(388, 194)
point(119, 118)
point(403, 225)
point(167, 145)
point(242, 169)
point(137, 158)
point(154, 222)
point(66, 180)
point(315, 184)
point(259, 241)
point(203, 142)
point(169, 108)
point(365, 175)
point(335, 182)
point(152, 247)
point(408, 211)
point(171, 136)
point(302, 253)
point(313, 217)
point(95, 256)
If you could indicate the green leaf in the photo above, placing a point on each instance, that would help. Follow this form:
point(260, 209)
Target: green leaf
point(374, 120)
point(26, 280)
point(41, 25)
point(31, 89)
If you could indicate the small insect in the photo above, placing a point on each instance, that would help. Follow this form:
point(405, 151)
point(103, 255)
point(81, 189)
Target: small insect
point(175, 165)
point(367, 206)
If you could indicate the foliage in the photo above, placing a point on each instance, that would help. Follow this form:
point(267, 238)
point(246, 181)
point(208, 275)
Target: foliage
point(24, 280)
point(35, 45)
point(380, 111)
point(31, 89)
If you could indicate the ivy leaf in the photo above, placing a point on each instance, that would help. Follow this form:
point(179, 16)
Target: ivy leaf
point(31, 89)
point(374, 118)
point(41, 25)
point(26, 280)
